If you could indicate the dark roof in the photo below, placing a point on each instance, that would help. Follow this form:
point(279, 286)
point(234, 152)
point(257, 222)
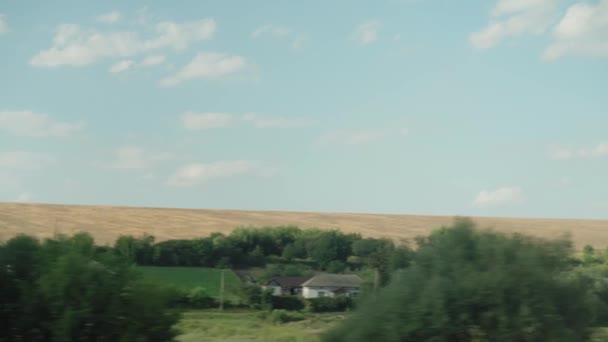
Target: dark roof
point(334, 280)
point(245, 275)
point(288, 281)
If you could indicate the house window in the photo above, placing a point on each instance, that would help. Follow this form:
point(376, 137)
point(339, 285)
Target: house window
point(321, 293)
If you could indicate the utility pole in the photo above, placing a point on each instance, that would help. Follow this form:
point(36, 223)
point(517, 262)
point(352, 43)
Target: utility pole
point(222, 290)
point(376, 280)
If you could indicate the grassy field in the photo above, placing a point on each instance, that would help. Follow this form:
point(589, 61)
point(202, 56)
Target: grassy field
point(107, 223)
point(241, 326)
point(237, 326)
point(187, 278)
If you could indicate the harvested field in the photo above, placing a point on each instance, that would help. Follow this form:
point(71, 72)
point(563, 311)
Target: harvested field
point(106, 223)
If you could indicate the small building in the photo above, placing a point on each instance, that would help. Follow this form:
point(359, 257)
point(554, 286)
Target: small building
point(332, 285)
point(245, 276)
point(285, 286)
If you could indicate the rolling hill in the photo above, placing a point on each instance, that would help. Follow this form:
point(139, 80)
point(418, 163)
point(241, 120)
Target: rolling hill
point(106, 223)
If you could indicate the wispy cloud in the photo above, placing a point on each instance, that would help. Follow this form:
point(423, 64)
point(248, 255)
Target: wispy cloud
point(24, 197)
point(583, 31)
point(515, 18)
point(24, 160)
point(566, 153)
point(75, 46)
point(198, 121)
point(109, 18)
point(499, 197)
point(282, 33)
point(134, 157)
point(367, 32)
point(207, 65)
point(152, 60)
point(3, 24)
point(205, 120)
point(31, 124)
point(269, 122)
point(121, 66)
point(199, 173)
point(359, 136)
point(271, 30)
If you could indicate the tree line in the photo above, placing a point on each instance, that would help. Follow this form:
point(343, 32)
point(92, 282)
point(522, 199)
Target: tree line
point(327, 250)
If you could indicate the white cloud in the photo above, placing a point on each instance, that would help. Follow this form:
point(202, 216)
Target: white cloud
point(264, 122)
point(24, 160)
point(75, 46)
point(121, 66)
point(24, 197)
point(562, 153)
point(30, 124)
point(498, 197)
point(271, 30)
point(197, 174)
point(152, 60)
point(210, 65)
point(109, 18)
point(133, 157)
point(565, 153)
point(515, 18)
point(367, 33)
point(599, 151)
point(359, 136)
point(583, 31)
point(3, 24)
point(200, 121)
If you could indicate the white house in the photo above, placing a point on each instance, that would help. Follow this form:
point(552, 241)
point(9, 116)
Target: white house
point(285, 286)
point(332, 285)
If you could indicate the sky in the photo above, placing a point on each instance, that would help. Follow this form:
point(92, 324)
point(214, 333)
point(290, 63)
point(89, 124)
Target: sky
point(486, 108)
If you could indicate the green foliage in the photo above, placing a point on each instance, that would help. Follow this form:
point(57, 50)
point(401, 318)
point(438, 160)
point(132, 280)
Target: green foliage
point(199, 298)
point(251, 295)
point(284, 316)
point(332, 250)
point(66, 289)
point(287, 303)
point(329, 304)
point(466, 285)
point(336, 266)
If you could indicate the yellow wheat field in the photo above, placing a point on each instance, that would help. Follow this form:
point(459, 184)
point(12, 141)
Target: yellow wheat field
point(106, 223)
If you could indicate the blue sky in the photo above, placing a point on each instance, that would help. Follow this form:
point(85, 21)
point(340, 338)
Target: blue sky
point(493, 108)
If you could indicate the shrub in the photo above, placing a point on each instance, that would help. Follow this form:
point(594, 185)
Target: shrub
point(200, 299)
point(287, 303)
point(328, 304)
point(284, 316)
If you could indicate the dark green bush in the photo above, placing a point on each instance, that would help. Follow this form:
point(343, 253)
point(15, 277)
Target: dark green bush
point(287, 303)
point(328, 304)
point(199, 298)
point(284, 316)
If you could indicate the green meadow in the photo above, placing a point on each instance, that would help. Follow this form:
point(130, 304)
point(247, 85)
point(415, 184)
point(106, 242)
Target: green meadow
point(187, 278)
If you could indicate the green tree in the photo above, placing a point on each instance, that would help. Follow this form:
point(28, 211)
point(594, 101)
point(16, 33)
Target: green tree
point(466, 285)
point(66, 289)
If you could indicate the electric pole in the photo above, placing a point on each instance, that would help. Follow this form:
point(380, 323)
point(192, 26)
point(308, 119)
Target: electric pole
point(222, 290)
